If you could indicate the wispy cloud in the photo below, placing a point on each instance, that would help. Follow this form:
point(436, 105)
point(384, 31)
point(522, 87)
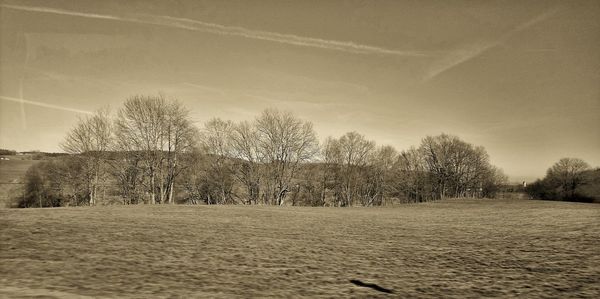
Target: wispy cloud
point(45, 105)
point(205, 88)
point(283, 101)
point(22, 104)
point(195, 25)
point(472, 51)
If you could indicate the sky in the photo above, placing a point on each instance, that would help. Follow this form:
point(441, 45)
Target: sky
point(521, 78)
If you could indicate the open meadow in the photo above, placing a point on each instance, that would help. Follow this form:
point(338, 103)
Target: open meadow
point(453, 248)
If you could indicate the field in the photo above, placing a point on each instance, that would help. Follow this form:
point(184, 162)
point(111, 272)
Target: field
point(453, 248)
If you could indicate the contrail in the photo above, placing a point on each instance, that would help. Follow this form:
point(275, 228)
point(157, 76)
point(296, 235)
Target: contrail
point(40, 104)
point(61, 12)
point(286, 38)
point(21, 79)
point(463, 55)
point(200, 26)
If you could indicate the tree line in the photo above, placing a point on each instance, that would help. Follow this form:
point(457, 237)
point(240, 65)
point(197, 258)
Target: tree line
point(150, 151)
point(7, 152)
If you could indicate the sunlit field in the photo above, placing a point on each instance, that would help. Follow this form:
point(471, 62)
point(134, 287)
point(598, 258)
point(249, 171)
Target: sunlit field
point(452, 248)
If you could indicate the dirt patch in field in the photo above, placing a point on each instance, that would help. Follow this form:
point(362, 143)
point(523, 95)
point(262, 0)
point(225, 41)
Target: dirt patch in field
point(466, 248)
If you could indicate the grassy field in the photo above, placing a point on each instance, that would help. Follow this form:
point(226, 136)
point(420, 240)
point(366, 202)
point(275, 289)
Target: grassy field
point(453, 248)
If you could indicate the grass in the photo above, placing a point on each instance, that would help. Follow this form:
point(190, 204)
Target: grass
point(454, 248)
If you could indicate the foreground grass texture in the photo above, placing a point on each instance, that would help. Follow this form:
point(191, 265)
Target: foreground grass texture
point(454, 248)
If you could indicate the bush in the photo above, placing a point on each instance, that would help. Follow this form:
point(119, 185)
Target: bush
point(53, 183)
point(37, 191)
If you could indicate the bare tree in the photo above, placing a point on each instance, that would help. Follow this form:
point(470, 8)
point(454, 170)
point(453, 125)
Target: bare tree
point(197, 179)
point(351, 152)
point(412, 176)
point(381, 164)
point(128, 172)
point(492, 181)
point(330, 170)
point(139, 131)
point(436, 154)
point(217, 144)
point(244, 141)
point(90, 139)
point(284, 141)
point(155, 132)
point(181, 136)
point(567, 173)
point(457, 168)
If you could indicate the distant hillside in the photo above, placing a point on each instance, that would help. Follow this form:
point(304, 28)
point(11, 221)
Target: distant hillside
point(12, 172)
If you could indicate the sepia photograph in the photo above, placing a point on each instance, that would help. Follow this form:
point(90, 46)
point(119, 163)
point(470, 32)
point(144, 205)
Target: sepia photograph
point(299, 149)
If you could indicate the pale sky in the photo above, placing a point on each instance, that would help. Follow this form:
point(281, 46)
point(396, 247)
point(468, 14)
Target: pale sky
point(521, 78)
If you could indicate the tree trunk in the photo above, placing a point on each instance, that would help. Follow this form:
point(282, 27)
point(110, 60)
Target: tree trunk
point(95, 186)
point(91, 194)
point(161, 189)
point(280, 196)
point(152, 186)
point(171, 201)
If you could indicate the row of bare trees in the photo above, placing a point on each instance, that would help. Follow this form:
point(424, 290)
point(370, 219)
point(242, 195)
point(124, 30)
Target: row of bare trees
point(139, 151)
point(150, 151)
point(263, 158)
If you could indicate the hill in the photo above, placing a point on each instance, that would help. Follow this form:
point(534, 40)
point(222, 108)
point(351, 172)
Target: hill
point(12, 172)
